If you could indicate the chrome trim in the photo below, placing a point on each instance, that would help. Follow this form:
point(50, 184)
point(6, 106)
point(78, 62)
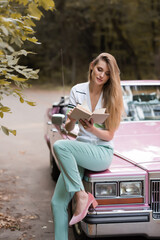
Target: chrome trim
point(152, 176)
point(149, 228)
point(54, 130)
point(155, 198)
point(115, 178)
point(121, 205)
point(111, 209)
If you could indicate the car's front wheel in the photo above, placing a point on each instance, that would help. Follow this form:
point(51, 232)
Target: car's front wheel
point(78, 232)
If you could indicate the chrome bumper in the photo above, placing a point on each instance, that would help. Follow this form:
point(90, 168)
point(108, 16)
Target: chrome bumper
point(121, 223)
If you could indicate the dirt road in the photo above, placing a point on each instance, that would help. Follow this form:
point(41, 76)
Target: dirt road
point(25, 184)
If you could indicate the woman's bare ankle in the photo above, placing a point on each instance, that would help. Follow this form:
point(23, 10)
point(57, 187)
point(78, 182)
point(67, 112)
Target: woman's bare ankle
point(81, 194)
point(81, 201)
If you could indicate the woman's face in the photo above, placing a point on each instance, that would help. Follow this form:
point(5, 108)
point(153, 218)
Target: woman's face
point(100, 73)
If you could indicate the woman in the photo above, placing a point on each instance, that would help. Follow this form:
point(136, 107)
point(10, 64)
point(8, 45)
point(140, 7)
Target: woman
point(93, 148)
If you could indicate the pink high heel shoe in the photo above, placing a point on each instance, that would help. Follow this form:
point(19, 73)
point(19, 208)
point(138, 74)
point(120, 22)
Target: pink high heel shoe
point(79, 217)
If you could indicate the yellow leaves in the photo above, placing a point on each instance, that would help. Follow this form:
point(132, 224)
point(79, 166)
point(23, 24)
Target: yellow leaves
point(11, 70)
point(5, 109)
point(4, 82)
point(1, 114)
point(21, 100)
point(16, 15)
point(24, 2)
point(13, 132)
point(33, 39)
point(28, 29)
point(29, 22)
point(31, 103)
point(4, 72)
point(7, 131)
point(16, 26)
point(15, 78)
point(24, 38)
point(34, 11)
point(47, 4)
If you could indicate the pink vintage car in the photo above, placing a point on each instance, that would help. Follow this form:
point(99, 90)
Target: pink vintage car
point(128, 193)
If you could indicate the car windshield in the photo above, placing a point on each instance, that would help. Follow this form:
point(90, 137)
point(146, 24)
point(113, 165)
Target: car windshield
point(141, 103)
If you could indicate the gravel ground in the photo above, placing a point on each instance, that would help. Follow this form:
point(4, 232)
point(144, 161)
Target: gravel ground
point(26, 187)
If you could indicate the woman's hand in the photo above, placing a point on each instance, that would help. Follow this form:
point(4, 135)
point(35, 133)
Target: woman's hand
point(69, 115)
point(105, 135)
point(88, 125)
point(70, 122)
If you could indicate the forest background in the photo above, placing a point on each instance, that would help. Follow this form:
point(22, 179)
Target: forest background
point(81, 29)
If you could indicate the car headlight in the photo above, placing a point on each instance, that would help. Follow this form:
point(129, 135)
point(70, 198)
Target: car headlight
point(131, 188)
point(105, 189)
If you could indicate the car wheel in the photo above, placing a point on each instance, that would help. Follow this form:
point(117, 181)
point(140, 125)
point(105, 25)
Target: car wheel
point(54, 169)
point(77, 230)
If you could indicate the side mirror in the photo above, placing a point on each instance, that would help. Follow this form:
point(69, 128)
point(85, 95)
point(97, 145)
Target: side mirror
point(58, 119)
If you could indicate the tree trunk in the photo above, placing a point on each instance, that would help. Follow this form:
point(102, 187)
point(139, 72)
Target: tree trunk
point(73, 74)
point(128, 47)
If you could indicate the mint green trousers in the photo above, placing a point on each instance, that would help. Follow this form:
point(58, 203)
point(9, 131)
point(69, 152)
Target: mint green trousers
point(73, 158)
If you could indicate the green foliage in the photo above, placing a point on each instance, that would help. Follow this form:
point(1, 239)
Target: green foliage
point(16, 26)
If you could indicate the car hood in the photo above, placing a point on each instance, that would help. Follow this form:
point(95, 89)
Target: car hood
point(139, 142)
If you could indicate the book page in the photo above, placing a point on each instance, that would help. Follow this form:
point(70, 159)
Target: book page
point(85, 105)
point(99, 118)
point(80, 113)
point(83, 108)
point(100, 110)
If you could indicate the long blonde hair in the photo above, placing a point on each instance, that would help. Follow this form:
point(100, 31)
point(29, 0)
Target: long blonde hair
point(112, 92)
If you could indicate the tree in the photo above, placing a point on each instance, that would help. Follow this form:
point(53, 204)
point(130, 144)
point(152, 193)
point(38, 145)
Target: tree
point(68, 28)
point(17, 22)
point(130, 30)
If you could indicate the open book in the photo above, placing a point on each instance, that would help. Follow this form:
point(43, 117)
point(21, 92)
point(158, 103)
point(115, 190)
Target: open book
point(83, 112)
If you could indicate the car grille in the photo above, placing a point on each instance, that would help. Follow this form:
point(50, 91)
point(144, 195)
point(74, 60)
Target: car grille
point(155, 198)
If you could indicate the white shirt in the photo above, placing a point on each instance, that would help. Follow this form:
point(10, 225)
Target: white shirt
point(78, 95)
